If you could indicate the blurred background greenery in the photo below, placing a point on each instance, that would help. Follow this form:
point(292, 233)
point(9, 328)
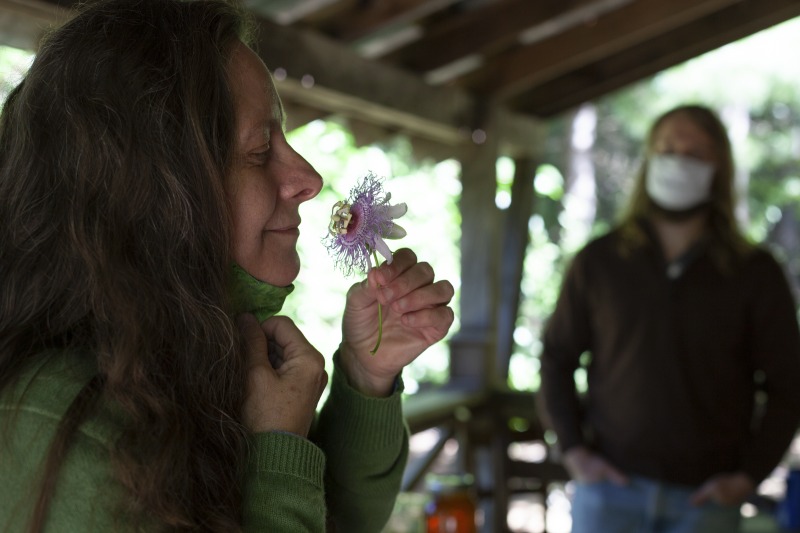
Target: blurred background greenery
point(588, 162)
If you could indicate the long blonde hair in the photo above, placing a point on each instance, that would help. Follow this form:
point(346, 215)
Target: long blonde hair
point(728, 241)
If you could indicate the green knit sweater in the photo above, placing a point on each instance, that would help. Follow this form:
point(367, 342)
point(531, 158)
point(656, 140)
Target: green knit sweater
point(351, 467)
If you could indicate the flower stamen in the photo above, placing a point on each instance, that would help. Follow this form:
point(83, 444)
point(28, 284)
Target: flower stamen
point(340, 218)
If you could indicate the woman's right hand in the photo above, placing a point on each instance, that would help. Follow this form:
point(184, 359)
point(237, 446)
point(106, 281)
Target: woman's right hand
point(281, 395)
point(586, 466)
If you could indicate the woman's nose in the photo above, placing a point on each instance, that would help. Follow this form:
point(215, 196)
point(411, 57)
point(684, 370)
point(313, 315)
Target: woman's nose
point(302, 181)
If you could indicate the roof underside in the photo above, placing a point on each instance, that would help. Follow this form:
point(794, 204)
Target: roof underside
point(438, 69)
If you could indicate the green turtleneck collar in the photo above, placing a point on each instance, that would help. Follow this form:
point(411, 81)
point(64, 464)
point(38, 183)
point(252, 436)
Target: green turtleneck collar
point(251, 295)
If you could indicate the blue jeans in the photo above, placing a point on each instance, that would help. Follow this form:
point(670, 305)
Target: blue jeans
point(647, 506)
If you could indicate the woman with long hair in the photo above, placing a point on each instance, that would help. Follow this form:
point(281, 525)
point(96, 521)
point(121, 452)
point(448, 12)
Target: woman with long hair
point(148, 204)
point(685, 324)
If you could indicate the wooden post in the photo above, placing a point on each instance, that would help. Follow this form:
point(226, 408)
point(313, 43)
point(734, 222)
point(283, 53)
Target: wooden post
point(515, 244)
point(472, 349)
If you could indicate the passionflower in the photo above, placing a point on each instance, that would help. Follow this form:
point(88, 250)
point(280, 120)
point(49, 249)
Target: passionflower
point(360, 224)
point(358, 227)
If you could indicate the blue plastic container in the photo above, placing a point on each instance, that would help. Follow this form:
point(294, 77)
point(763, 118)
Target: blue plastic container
point(789, 509)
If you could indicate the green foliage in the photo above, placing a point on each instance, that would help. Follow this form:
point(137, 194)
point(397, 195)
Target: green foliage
point(13, 65)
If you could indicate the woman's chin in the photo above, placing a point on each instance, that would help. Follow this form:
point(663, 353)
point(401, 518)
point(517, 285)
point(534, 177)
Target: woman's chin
point(279, 275)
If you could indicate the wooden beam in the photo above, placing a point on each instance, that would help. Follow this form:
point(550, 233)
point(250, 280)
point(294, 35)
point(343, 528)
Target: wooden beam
point(433, 408)
point(532, 65)
point(521, 136)
point(416, 470)
point(354, 87)
point(319, 12)
point(298, 115)
point(366, 110)
point(24, 22)
point(490, 26)
point(667, 50)
point(364, 18)
point(345, 83)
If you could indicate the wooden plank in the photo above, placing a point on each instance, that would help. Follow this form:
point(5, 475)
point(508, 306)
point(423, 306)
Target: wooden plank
point(521, 136)
point(625, 28)
point(378, 112)
point(490, 26)
point(364, 18)
point(319, 14)
point(416, 470)
point(667, 50)
point(344, 82)
point(435, 407)
point(299, 115)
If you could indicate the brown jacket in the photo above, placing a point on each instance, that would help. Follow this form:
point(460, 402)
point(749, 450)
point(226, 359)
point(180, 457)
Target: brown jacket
point(676, 363)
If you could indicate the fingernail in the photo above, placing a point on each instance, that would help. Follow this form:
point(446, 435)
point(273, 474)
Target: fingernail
point(387, 293)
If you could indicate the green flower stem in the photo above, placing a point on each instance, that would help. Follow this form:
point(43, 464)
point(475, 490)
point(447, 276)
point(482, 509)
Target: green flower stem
point(380, 315)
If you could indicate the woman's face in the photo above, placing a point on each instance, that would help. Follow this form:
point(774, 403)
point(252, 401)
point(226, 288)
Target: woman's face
point(679, 135)
point(269, 180)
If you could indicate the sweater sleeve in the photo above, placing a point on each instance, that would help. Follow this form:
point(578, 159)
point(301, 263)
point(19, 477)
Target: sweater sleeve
point(283, 490)
point(776, 354)
point(566, 336)
point(366, 445)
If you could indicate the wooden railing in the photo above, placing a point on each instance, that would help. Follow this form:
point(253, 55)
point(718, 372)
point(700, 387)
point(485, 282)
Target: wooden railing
point(484, 423)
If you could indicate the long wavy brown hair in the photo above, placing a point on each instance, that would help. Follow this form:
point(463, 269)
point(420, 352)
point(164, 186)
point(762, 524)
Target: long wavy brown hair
point(115, 245)
point(728, 241)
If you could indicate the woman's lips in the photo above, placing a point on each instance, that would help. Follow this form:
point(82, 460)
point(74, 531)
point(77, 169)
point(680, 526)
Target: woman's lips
point(287, 230)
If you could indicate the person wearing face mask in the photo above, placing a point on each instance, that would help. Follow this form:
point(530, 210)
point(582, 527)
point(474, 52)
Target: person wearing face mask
point(148, 214)
point(686, 325)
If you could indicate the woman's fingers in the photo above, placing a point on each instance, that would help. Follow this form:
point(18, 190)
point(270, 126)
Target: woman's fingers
point(289, 340)
point(431, 295)
point(255, 342)
point(439, 319)
point(286, 378)
point(402, 260)
point(283, 331)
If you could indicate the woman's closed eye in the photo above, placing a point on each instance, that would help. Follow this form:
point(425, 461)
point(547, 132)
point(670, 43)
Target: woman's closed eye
point(259, 156)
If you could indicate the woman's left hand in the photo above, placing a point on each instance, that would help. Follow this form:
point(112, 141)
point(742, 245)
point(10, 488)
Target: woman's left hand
point(415, 316)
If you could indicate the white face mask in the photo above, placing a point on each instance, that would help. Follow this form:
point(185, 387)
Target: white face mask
point(678, 182)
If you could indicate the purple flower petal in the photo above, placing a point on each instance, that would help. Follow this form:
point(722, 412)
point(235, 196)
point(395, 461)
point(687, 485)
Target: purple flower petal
point(359, 225)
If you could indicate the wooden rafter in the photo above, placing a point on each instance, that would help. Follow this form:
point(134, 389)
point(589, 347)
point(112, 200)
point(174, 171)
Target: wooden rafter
point(658, 53)
point(532, 65)
point(363, 18)
point(492, 26)
point(344, 82)
point(372, 91)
